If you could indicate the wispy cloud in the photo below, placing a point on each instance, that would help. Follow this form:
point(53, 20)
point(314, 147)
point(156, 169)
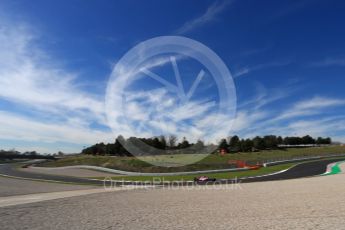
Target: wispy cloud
point(17, 127)
point(254, 117)
point(211, 13)
point(340, 61)
point(255, 51)
point(249, 69)
point(309, 107)
point(158, 111)
point(30, 77)
point(33, 81)
point(300, 118)
point(319, 102)
point(264, 97)
point(291, 7)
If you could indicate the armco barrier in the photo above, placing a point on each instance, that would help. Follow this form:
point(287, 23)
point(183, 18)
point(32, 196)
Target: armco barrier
point(272, 163)
point(102, 169)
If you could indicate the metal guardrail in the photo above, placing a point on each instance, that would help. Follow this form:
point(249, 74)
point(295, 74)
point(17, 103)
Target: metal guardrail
point(127, 173)
point(298, 159)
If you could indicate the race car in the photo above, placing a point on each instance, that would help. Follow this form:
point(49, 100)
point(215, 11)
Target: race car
point(204, 179)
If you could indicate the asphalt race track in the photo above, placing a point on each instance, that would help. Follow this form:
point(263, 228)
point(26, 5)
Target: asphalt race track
point(10, 170)
point(299, 171)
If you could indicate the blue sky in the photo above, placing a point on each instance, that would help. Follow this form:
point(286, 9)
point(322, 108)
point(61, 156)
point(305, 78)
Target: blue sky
point(287, 60)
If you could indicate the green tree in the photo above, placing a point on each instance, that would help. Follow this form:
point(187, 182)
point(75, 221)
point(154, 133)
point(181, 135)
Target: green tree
point(258, 143)
point(246, 145)
point(234, 144)
point(163, 142)
point(270, 142)
point(184, 144)
point(308, 140)
point(223, 144)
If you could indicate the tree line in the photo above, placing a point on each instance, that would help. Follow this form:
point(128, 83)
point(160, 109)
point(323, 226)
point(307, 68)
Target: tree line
point(231, 144)
point(13, 154)
point(164, 143)
point(235, 144)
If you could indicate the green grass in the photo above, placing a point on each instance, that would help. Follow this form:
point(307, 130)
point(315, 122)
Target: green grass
point(223, 175)
point(277, 154)
point(205, 162)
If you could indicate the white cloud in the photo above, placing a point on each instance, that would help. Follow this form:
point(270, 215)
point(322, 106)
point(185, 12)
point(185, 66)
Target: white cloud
point(319, 102)
point(32, 80)
point(248, 69)
point(155, 111)
point(192, 109)
point(15, 127)
point(329, 62)
point(310, 107)
point(264, 97)
point(211, 13)
point(248, 119)
point(28, 78)
point(315, 127)
point(158, 111)
point(306, 117)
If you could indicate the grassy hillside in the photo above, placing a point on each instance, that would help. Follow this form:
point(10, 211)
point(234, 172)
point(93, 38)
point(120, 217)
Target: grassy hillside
point(177, 161)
